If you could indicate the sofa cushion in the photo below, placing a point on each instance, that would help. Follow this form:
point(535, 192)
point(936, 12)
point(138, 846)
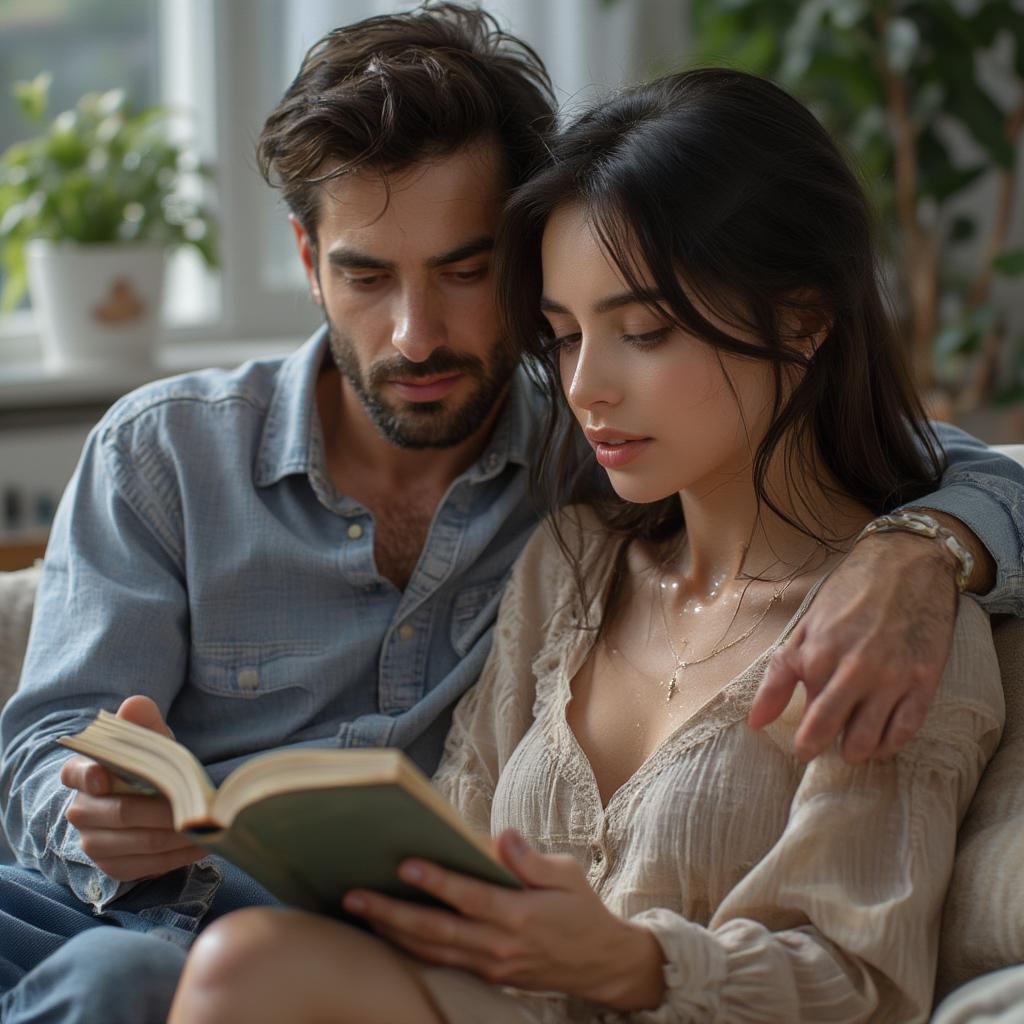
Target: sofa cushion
point(995, 999)
point(17, 592)
point(983, 921)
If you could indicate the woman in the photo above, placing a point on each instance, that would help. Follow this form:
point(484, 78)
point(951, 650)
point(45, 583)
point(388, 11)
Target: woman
point(694, 273)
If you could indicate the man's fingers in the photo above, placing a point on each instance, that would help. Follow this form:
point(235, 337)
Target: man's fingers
point(130, 869)
point(827, 712)
point(120, 812)
point(109, 844)
point(905, 721)
point(144, 711)
point(776, 689)
point(84, 774)
point(779, 683)
point(862, 736)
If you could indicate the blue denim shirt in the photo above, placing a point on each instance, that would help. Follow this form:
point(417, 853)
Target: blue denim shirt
point(202, 556)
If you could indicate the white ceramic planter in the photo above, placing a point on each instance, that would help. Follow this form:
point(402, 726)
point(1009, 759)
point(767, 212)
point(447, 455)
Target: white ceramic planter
point(97, 306)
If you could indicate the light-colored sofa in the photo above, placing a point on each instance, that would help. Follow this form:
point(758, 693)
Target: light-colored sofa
point(981, 960)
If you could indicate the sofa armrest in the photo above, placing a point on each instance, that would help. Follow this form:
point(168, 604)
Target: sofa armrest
point(17, 594)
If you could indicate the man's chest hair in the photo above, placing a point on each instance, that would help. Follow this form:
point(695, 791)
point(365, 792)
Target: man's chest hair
point(401, 526)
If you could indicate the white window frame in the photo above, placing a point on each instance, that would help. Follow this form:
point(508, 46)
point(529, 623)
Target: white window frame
point(215, 56)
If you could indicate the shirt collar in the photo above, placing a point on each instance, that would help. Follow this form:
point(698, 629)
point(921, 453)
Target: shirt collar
point(287, 442)
point(291, 431)
point(514, 431)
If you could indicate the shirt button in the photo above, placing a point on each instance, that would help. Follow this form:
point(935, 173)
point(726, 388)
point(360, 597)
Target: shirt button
point(406, 632)
point(248, 679)
point(355, 531)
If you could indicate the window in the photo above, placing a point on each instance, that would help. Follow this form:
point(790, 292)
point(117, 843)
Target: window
point(226, 63)
point(88, 47)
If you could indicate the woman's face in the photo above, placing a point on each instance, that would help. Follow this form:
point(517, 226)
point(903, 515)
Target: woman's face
point(653, 400)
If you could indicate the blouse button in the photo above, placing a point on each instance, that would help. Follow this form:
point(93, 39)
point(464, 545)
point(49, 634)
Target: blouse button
point(597, 855)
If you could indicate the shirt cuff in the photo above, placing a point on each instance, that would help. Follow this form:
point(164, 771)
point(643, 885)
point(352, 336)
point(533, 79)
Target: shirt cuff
point(84, 879)
point(994, 520)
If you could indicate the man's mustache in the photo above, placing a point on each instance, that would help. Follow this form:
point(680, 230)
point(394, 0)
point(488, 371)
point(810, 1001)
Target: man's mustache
point(441, 360)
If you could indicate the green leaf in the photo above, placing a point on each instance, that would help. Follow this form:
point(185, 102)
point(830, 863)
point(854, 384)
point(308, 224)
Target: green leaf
point(937, 175)
point(962, 229)
point(983, 119)
point(958, 339)
point(1010, 263)
point(847, 13)
point(992, 18)
point(32, 97)
point(902, 39)
point(965, 337)
point(16, 276)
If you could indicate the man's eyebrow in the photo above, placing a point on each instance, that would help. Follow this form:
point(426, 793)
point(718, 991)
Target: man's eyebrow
point(345, 257)
point(645, 298)
point(485, 243)
point(353, 259)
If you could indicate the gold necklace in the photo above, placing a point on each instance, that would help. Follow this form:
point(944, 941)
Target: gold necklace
point(672, 683)
point(680, 665)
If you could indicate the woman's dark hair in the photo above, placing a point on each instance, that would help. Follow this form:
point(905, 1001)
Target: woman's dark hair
point(389, 91)
point(719, 181)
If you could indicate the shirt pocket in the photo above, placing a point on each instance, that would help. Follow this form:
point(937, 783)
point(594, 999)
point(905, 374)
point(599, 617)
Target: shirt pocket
point(251, 668)
point(473, 613)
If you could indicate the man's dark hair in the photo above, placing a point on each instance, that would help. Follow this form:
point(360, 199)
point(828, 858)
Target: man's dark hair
point(389, 91)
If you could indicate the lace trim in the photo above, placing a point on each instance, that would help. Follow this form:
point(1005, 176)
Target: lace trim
point(560, 658)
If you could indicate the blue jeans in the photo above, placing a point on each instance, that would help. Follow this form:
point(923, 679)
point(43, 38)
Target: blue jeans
point(61, 964)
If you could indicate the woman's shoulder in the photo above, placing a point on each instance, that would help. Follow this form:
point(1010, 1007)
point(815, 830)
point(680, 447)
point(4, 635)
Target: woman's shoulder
point(573, 533)
point(971, 681)
point(573, 537)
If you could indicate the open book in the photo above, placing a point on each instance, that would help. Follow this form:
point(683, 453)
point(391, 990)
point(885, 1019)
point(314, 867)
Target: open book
point(307, 824)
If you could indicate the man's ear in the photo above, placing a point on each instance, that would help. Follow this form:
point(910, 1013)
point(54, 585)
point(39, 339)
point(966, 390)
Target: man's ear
point(307, 256)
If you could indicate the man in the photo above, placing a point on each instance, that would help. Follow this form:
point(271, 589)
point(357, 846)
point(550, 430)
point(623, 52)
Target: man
point(310, 551)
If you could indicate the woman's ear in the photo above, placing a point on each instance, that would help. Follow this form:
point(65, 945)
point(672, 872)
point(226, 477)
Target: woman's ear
point(806, 321)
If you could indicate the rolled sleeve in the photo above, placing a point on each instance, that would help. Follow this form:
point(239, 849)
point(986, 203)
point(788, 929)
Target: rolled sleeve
point(985, 491)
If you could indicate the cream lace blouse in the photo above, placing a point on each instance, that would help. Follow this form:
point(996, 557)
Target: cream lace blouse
point(778, 891)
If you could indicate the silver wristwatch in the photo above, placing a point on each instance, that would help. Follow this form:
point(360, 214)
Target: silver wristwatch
point(926, 526)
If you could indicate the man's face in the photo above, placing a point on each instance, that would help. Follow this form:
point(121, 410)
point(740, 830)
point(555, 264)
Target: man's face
point(402, 269)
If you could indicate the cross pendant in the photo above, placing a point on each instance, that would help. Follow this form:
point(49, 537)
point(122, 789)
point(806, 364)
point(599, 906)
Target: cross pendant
point(672, 685)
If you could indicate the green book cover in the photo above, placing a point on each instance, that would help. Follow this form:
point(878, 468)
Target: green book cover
point(309, 848)
point(308, 825)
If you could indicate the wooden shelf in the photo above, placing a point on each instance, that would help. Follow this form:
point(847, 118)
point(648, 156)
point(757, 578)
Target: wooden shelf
point(20, 554)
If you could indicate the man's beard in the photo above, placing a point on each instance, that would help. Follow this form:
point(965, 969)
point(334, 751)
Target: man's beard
point(425, 424)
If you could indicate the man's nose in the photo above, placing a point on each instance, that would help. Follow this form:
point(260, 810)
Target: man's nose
point(419, 324)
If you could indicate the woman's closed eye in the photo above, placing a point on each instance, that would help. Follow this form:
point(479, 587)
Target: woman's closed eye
point(562, 341)
point(648, 339)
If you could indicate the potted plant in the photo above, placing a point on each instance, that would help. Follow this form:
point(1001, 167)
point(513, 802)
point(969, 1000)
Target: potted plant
point(88, 209)
point(929, 97)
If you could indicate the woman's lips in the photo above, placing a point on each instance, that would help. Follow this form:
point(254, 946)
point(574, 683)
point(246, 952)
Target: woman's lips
point(615, 456)
point(431, 390)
